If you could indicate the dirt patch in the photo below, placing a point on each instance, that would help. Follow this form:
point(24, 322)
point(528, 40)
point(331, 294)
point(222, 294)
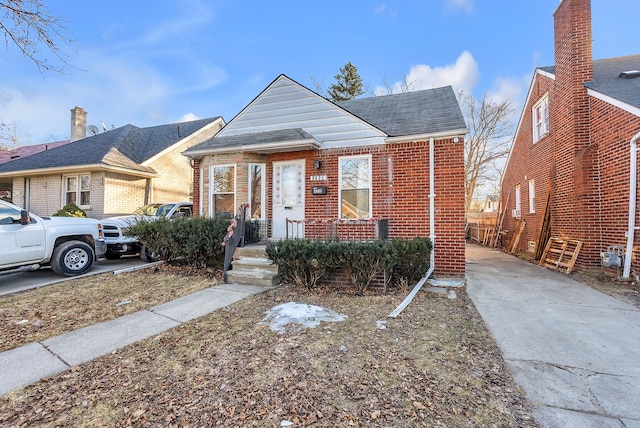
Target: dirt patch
point(435, 365)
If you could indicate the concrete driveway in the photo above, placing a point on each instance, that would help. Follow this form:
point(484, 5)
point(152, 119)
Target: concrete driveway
point(21, 281)
point(574, 350)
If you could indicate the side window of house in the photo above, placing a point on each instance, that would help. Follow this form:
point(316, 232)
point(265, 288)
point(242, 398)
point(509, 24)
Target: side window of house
point(223, 193)
point(77, 190)
point(518, 209)
point(532, 196)
point(355, 186)
point(541, 118)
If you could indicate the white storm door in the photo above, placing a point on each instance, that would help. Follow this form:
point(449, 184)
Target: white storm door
point(288, 196)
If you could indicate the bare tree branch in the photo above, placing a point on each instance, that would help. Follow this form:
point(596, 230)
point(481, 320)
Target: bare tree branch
point(490, 135)
point(31, 28)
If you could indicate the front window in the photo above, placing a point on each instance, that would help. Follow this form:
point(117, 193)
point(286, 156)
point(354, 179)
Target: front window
point(77, 190)
point(541, 119)
point(256, 190)
point(518, 210)
point(223, 190)
point(355, 187)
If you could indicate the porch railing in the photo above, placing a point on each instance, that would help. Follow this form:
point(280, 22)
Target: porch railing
point(338, 229)
point(256, 231)
point(234, 238)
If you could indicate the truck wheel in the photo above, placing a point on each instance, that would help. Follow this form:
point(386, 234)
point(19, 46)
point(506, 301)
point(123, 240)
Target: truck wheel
point(72, 258)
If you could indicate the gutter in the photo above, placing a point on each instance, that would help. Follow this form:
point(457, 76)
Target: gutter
point(633, 186)
point(432, 234)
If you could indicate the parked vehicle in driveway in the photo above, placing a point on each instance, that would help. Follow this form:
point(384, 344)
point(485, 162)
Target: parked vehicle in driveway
point(69, 245)
point(115, 228)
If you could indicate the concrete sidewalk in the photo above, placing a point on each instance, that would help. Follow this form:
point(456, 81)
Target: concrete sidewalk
point(29, 363)
point(574, 350)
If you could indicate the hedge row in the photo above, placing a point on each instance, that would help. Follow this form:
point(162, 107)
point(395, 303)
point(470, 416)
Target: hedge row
point(195, 241)
point(305, 262)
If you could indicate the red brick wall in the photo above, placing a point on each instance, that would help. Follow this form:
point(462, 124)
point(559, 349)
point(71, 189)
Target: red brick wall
point(196, 186)
point(585, 157)
point(401, 193)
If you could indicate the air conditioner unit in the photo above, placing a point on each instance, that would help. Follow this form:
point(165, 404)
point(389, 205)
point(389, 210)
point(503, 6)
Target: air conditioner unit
point(516, 213)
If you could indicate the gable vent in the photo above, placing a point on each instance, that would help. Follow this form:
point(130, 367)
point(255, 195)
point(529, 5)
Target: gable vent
point(632, 74)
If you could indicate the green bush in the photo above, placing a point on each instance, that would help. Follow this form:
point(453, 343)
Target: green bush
point(412, 261)
point(195, 242)
point(302, 261)
point(70, 210)
point(363, 261)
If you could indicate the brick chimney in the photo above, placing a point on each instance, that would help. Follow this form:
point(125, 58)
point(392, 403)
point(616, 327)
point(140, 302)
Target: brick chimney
point(78, 124)
point(569, 121)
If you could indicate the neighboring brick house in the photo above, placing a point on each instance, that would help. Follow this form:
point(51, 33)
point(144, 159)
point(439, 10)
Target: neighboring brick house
point(110, 173)
point(572, 145)
point(292, 154)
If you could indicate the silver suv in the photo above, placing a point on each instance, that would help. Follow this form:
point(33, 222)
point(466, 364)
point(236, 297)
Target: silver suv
point(115, 228)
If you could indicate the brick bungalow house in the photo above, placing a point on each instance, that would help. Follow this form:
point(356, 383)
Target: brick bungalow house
point(296, 157)
point(575, 147)
point(109, 173)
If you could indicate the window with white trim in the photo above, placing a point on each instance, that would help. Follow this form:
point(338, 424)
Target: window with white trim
point(223, 190)
point(355, 186)
point(257, 190)
point(541, 119)
point(532, 196)
point(77, 190)
point(517, 212)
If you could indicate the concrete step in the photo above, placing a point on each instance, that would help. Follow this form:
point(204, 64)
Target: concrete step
point(253, 250)
point(254, 263)
point(252, 277)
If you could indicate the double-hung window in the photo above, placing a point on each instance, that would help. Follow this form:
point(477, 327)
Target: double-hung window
point(77, 190)
point(223, 190)
point(541, 118)
point(355, 187)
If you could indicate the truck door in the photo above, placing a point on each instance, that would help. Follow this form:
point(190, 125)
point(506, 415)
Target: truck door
point(20, 244)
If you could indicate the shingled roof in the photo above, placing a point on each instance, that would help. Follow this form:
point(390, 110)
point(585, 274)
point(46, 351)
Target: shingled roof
point(428, 111)
point(126, 147)
point(608, 81)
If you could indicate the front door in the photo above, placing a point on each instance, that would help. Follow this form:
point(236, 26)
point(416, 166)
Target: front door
point(288, 198)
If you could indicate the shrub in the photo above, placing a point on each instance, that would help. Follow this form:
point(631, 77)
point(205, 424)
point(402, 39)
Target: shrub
point(196, 241)
point(412, 261)
point(70, 210)
point(363, 261)
point(302, 261)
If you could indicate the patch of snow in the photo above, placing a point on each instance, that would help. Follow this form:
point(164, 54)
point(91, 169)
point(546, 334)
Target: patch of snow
point(301, 314)
point(452, 294)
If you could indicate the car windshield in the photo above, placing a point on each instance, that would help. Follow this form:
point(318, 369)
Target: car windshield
point(155, 210)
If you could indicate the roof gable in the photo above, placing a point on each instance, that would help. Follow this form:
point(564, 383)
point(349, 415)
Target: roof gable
point(285, 104)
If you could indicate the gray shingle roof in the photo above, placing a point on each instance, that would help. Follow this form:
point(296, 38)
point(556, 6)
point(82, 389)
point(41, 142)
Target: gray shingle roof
point(133, 143)
point(606, 78)
point(255, 138)
point(411, 113)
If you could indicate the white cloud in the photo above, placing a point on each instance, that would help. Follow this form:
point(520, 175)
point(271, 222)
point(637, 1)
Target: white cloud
point(460, 5)
point(462, 75)
point(188, 117)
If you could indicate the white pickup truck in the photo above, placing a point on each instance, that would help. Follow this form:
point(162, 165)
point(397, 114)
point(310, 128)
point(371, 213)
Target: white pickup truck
point(115, 228)
point(69, 245)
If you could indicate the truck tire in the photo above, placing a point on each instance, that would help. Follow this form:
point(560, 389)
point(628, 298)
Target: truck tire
point(72, 258)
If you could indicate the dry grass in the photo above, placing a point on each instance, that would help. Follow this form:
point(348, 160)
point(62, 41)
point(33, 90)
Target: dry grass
point(435, 365)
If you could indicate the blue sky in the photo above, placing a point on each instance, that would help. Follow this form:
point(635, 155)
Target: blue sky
point(149, 63)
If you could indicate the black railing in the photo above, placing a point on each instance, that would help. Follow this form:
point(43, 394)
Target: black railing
point(234, 238)
point(338, 229)
point(256, 231)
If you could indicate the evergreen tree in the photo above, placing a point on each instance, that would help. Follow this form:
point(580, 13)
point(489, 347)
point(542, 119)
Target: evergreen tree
point(348, 84)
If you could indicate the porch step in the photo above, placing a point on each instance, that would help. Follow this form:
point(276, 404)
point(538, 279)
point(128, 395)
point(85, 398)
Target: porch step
point(250, 265)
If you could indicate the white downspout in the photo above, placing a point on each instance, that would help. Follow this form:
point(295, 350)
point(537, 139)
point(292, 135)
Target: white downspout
point(432, 233)
point(633, 186)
